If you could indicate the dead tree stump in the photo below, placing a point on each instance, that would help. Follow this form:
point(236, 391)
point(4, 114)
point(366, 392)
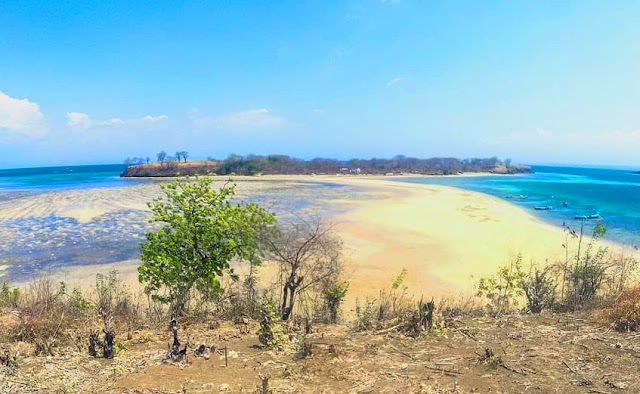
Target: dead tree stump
point(175, 354)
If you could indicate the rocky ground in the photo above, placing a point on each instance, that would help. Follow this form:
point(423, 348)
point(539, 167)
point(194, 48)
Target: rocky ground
point(513, 354)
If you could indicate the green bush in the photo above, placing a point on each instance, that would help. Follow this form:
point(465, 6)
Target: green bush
point(539, 287)
point(366, 316)
point(270, 333)
point(503, 289)
point(333, 296)
point(9, 297)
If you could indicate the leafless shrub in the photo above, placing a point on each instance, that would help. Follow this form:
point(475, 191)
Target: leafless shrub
point(309, 255)
point(114, 300)
point(42, 316)
point(463, 305)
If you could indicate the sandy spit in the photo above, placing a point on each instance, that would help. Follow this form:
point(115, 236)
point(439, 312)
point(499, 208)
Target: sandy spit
point(445, 237)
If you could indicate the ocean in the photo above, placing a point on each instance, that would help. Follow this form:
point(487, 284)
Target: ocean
point(40, 179)
point(570, 191)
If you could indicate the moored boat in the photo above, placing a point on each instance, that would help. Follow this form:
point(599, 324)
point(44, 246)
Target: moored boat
point(586, 217)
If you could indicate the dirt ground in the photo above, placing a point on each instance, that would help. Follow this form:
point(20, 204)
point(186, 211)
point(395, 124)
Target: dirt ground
point(515, 354)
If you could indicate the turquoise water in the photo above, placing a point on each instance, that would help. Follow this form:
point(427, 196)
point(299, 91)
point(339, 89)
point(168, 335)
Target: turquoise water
point(62, 178)
point(615, 194)
point(32, 244)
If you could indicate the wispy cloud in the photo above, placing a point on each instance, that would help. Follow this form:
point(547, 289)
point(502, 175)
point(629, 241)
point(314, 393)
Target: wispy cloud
point(260, 118)
point(394, 81)
point(81, 121)
point(21, 117)
point(319, 111)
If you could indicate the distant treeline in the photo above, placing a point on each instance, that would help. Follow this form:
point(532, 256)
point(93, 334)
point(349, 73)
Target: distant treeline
point(286, 165)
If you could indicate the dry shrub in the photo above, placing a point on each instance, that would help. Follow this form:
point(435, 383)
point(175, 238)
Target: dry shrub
point(42, 316)
point(624, 313)
point(113, 300)
point(463, 305)
point(50, 315)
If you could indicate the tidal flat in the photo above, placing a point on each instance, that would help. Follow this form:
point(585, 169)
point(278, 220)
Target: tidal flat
point(42, 232)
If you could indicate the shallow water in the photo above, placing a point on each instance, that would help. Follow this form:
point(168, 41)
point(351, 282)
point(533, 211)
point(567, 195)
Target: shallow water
point(40, 227)
point(615, 194)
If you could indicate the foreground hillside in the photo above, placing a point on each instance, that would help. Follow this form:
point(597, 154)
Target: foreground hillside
point(513, 354)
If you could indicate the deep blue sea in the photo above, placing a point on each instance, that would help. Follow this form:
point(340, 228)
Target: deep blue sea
point(614, 194)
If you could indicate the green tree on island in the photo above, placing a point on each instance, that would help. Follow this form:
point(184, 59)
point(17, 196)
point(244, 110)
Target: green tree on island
point(203, 231)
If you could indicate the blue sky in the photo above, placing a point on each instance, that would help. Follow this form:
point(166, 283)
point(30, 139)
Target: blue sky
point(536, 81)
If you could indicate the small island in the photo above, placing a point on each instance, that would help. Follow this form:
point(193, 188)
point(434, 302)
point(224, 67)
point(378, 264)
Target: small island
point(255, 165)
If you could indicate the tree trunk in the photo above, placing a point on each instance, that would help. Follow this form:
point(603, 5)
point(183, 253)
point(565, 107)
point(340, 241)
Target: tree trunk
point(286, 313)
point(285, 296)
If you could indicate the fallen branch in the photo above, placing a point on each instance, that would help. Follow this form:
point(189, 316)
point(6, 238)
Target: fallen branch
point(386, 330)
point(447, 372)
point(403, 353)
point(511, 369)
point(568, 367)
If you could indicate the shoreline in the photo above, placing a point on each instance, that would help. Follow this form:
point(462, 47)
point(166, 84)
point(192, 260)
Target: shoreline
point(444, 236)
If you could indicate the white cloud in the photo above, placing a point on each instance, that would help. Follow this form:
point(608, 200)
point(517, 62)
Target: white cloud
point(394, 81)
point(81, 121)
point(155, 119)
point(260, 118)
point(319, 111)
point(21, 117)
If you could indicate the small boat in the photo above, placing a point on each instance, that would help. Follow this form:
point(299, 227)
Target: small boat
point(586, 217)
point(520, 197)
point(543, 208)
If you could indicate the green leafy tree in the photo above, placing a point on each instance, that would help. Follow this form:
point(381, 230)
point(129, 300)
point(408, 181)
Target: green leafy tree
point(203, 231)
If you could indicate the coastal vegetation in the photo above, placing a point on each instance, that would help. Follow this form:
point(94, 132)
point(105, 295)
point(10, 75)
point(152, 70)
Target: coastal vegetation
point(286, 165)
point(589, 277)
point(202, 232)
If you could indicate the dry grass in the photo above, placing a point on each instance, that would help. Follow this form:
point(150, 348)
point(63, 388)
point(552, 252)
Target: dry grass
point(624, 313)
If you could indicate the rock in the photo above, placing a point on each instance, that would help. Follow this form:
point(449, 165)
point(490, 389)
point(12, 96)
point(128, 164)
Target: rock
point(224, 387)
